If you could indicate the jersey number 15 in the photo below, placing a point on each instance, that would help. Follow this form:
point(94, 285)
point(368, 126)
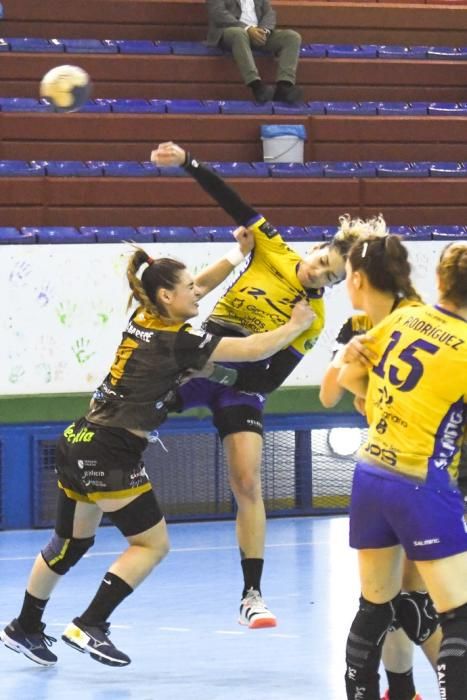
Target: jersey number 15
point(407, 356)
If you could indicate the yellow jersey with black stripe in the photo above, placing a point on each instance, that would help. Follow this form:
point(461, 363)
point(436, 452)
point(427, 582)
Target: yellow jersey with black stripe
point(149, 365)
point(264, 294)
point(417, 394)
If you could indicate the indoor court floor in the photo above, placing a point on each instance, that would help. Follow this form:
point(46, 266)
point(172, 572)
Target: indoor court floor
point(180, 626)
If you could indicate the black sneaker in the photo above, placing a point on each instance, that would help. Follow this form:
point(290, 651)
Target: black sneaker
point(94, 640)
point(34, 645)
point(262, 93)
point(290, 94)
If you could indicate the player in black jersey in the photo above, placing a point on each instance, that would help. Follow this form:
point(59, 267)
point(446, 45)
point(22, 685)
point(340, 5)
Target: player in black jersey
point(99, 456)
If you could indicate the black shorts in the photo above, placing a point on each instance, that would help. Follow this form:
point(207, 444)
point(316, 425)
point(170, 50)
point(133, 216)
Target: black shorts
point(94, 461)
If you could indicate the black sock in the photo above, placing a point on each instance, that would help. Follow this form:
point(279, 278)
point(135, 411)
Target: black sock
point(110, 593)
point(30, 617)
point(401, 685)
point(252, 571)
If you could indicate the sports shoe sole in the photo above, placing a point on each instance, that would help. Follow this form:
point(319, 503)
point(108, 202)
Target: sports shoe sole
point(258, 624)
point(78, 640)
point(20, 649)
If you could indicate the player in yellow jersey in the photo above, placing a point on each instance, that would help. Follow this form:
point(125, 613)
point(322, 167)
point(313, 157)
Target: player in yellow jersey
point(383, 284)
point(99, 463)
point(404, 494)
point(259, 299)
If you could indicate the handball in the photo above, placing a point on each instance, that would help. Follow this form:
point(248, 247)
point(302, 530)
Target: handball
point(67, 88)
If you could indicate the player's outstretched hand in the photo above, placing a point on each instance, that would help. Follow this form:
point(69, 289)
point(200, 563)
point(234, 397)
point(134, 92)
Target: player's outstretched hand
point(245, 239)
point(168, 154)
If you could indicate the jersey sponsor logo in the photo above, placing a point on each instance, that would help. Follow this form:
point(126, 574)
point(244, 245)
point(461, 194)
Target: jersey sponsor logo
point(449, 438)
point(83, 435)
point(145, 336)
point(386, 456)
point(426, 543)
point(268, 230)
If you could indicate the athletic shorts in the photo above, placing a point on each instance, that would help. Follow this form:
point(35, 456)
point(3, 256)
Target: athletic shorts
point(233, 410)
point(388, 510)
point(94, 461)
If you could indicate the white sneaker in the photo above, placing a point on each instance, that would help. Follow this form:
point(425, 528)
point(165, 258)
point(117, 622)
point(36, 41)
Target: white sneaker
point(254, 613)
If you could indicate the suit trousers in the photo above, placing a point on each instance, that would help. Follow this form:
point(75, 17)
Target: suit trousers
point(283, 43)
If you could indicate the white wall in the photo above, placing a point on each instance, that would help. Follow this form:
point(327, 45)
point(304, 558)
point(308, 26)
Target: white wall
point(63, 310)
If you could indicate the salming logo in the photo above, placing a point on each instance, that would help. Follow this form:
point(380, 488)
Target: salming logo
point(83, 435)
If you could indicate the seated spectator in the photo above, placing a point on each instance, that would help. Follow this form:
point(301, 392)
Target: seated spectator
point(243, 25)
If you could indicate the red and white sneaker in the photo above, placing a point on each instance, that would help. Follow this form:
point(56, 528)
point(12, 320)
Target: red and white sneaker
point(386, 696)
point(254, 613)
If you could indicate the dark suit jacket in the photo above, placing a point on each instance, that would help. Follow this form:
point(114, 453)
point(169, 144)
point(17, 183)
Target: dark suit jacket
point(226, 13)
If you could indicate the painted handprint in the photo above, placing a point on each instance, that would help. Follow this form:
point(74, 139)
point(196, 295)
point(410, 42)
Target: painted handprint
point(81, 350)
point(43, 294)
point(65, 311)
point(19, 274)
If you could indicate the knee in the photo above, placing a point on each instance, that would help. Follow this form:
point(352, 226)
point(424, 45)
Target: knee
point(417, 616)
point(159, 547)
point(236, 36)
point(61, 554)
point(292, 37)
point(246, 485)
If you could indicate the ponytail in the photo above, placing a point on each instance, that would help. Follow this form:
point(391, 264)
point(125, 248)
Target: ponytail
point(162, 273)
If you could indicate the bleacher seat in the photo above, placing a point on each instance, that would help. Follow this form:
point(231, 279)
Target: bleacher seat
point(4, 46)
point(96, 106)
point(284, 108)
point(20, 168)
point(192, 106)
point(398, 52)
point(112, 234)
point(402, 108)
point(32, 45)
point(88, 46)
point(23, 104)
point(58, 234)
point(135, 106)
point(217, 234)
point(236, 170)
point(172, 234)
point(354, 108)
point(194, 48)
point(313, 51)
point(349, 169)
point(349, 51)
point(447, 52)
point(450, 169)
point(439, 232)
point(320, 233)
point(9, 235)
point(142, 46)
point(244, 107)
point(402, 169)
point(125, 168)
point(70, 168)
point(289, 170)
point(294, 233)
point(447, 109)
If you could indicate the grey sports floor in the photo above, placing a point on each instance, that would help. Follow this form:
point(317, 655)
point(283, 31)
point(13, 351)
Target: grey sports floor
point(180, 627)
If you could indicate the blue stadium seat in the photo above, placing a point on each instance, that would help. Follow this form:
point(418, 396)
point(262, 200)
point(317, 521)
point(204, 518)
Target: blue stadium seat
point(450, 169)
point(288, 170)
point(135, 106)
point(402, 169)
point(4, 46)
point(356, 108)
point(9, 234)
point(173, 171)
point(439, 232)
point(175, 234)
point(293, 233)
point(314, 168)
point(398, 52)
point(111, 234)
point(235, 170)
point(92, 106)
point(263, 169)
point(447, 109)
point(88, 46)
point(27, 44)
point(23, 104)
point(313, 51)
point(404, 231)
point(416, 233)
point(284, 108)
point(58, 234)
point(142, 46)
point(70, 168)
point(244, 107)
point(194, 48)
point(218, 234)
point(320, 233)
point(350, 51)
point(348, 169)
point(447, 52)
point(192, 106)
point(124, 168)
point(402, 108)
point(20, 168)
